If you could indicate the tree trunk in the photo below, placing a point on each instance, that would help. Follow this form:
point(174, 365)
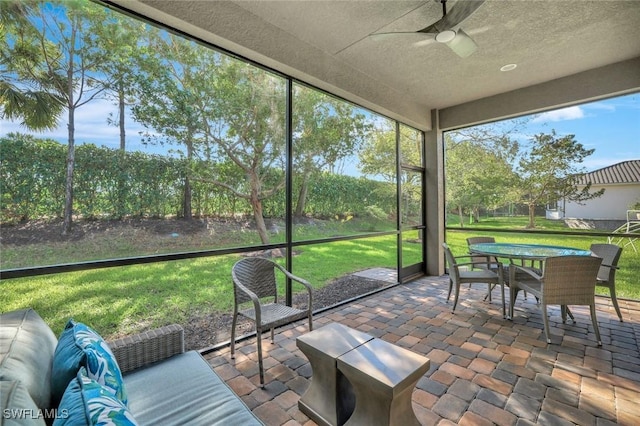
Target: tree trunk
point(302, 196)
point(186, 205)
point(256, 205)
point(122, 186)
point(186, 202)
point(461, 216)
point(71, 148)
point(120, 209)
point(121, 112)
point(532, 219)
point(68, 192)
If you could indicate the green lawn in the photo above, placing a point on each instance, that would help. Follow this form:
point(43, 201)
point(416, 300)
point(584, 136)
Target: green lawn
point(627, 277)
point(123, 300)
point(512, 222)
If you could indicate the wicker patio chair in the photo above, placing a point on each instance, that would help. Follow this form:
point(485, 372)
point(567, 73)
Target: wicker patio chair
point(565, 280)
point(254, 284)
point(478, 258)
point(458, 274)
point(610, 254)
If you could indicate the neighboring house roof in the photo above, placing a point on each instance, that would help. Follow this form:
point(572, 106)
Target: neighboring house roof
point(624, 172)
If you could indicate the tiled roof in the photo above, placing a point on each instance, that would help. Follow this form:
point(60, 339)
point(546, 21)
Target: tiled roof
point(624, 172)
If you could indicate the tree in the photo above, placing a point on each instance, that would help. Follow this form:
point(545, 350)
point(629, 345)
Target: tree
point(24, 84)
point(65, 42)
point(550, 170)
point(476, 177)
point(497, 137)
point(326, 130)
point(378, 158)
point(122, 37)
point(225, 114)
point(168, 97)
point(244, 116)
point(478, 167)
point(378, 155)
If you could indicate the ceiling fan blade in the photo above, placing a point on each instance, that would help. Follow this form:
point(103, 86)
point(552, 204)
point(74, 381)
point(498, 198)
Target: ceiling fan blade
point(458, 13)
point(442, 31)
point(416, 36)
point(462, 45)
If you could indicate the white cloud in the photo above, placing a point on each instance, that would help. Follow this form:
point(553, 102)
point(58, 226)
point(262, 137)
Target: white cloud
point(564, 114)
point(604, 106)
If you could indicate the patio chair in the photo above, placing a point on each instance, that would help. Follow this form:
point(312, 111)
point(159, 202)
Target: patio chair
point(493, 267)
point(254, 281)
point(458, 274)
point(478, 258)
point(610, 254)
point(565, 280)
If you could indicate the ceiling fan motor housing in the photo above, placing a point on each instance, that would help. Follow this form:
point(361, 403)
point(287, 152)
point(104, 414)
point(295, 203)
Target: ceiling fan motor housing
point(445, 36)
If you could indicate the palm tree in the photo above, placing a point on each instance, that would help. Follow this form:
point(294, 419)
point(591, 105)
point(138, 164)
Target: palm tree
point(24, 100)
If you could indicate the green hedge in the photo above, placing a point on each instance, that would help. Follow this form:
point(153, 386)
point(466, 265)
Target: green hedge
point(109, 183)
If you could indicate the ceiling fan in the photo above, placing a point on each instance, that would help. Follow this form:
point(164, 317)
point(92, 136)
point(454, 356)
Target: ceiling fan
point(443, 30)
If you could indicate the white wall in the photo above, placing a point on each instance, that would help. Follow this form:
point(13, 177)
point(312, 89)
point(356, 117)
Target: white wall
point(613, 204)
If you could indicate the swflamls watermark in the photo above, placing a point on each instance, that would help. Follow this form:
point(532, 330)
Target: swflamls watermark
point(28, 413)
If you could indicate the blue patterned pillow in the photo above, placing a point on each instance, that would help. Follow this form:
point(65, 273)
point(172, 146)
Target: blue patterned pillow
point(86, 403)
point(81, 346)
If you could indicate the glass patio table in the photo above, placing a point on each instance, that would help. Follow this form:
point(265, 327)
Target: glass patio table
point(527, 253)
point(535, 252)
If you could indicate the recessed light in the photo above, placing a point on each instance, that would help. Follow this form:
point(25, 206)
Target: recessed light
point(508, 67)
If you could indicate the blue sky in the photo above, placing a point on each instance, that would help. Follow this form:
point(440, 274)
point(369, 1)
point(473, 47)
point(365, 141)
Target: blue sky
point(610, 126)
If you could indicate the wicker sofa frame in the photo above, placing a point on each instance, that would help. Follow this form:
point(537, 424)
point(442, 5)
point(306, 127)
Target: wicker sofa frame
point(139, 350)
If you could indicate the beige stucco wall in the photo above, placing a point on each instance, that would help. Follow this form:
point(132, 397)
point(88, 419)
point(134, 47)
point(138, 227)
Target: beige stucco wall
point(613, 204)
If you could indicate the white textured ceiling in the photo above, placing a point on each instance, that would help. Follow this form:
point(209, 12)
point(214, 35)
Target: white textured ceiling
point(327, 43)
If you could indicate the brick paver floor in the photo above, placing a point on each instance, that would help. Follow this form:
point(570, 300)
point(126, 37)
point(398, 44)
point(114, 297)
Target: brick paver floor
point(484, 369)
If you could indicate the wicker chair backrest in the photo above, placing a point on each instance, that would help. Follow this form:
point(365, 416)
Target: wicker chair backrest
point(454, 273)
point(570, 280)
point(480, 240)
point(257, 275)
point(610, 254)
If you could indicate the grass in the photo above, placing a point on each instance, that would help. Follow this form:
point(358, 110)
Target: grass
point(627, 282)
point(124, 300)
point(130, 240)
point(513, 222)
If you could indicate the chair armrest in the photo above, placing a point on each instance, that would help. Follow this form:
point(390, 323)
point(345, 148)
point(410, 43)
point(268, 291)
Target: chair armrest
point(138, 350)
point(488, 263)
point(302, 281)
point(530, 271)
point(489, 260)
point(252, 297)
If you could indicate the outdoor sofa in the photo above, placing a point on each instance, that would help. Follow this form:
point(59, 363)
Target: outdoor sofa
point(158, 382)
